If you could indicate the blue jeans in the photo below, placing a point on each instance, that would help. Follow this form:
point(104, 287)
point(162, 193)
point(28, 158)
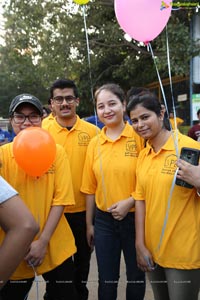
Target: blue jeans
point(111, 237)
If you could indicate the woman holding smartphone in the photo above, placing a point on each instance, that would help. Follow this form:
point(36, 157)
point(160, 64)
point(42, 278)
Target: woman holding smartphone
point(167, 215)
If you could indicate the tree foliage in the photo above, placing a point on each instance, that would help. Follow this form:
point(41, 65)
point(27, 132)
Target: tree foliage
point(45, 40)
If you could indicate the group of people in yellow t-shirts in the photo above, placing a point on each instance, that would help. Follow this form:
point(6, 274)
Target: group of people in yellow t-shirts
point(112, 190)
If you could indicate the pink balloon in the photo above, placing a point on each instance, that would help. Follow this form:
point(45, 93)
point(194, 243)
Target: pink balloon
point(143, 20)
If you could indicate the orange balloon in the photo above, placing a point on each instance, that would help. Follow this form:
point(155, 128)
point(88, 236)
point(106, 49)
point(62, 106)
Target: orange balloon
point(34, 150)
point(81, 1)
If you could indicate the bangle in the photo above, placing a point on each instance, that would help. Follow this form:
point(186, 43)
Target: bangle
point(198, 193)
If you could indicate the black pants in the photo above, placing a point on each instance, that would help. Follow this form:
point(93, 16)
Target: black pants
point(59, 282)
point(77, 222)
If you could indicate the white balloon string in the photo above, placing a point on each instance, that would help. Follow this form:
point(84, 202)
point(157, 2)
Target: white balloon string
point(88, 50)
point(37, 284)
point(159, 79)
point(167, 211)
point(92, 95)
point(175, 139)
point(102, 173)
point(169, 68)
point(172, 94)
point(89, 63)
point(163, 94)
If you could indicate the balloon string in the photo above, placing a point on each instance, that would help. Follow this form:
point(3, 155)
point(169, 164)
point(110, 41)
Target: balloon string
point(89, 64)
point(92, 95)
point(102, 173)
point(172, 93)
point(167, 211)
point(37, 216)
point(163, 94)
point(175, 139)
point(159, 79)
point(95, 113)
point(88, 50)
point(37, 283)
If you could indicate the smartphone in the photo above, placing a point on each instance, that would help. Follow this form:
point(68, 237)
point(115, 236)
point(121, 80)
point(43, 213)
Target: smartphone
point(191, 156)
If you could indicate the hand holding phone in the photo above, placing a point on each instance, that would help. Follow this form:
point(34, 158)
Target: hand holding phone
point(191, 156)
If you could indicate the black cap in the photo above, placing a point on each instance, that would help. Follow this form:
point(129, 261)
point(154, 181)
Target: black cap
point(25, 98)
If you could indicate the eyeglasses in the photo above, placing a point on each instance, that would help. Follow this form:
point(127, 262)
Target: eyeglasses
point(68, 99)
point(20, 118)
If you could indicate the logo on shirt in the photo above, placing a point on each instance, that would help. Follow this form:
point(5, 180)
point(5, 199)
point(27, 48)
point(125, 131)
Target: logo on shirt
point(83, 139)
point(131, 148)
point(51, 170)
point(169, 165)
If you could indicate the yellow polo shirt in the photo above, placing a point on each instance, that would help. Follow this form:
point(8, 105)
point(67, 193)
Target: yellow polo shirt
point(180, 246)
point(179, 121)
point(110, 166)
point(75, 143)
point(48, 119)
point(40, 194)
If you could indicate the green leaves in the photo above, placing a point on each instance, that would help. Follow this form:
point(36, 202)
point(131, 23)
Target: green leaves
point(46, 39)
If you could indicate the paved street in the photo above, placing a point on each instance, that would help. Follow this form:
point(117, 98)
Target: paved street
point(93, 284)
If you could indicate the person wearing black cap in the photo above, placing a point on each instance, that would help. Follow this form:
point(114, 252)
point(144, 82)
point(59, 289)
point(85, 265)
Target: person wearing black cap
point(50, 254)
point(28, 99)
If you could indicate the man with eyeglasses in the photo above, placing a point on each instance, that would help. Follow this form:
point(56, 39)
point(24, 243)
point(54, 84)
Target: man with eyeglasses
point(50, 254)
point(74, 134)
